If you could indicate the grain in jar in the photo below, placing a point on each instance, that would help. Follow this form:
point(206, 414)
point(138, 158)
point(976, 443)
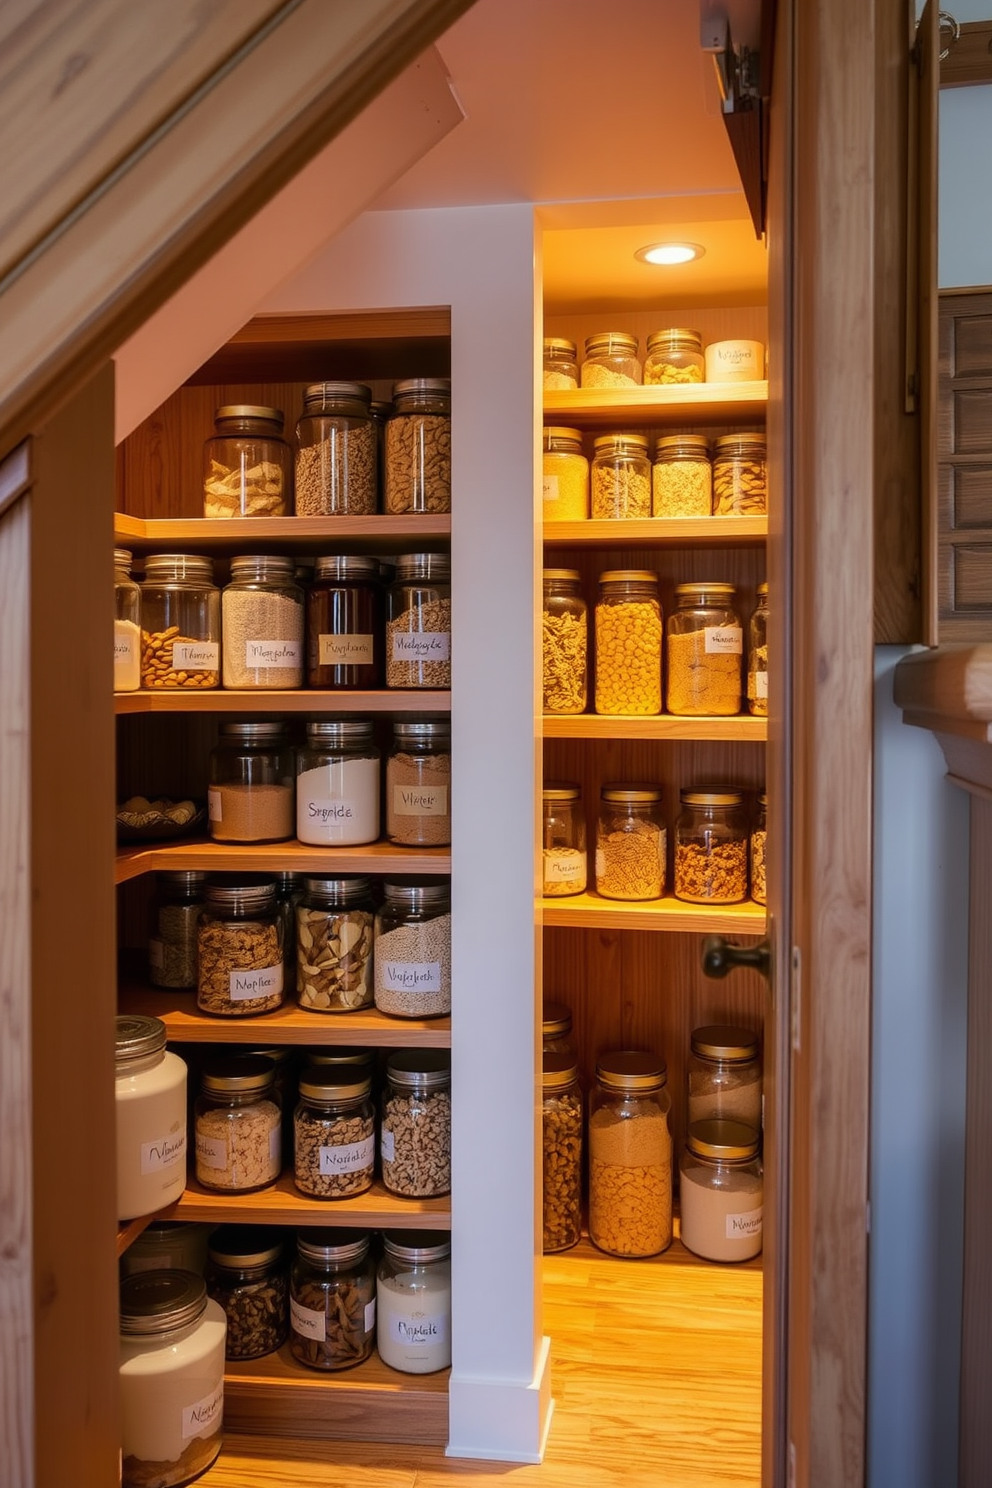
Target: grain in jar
point(563, 854)
point(150, 1101)
point(757, 656)
point(238, 1124)
point(180, 619)
point(621, 477)
point(704, 645)
point(247, 1274)
point(610, 361)
point(262, 615)
point(674, 356)
point(413, 949)
point(334, 1132)
point(418, 622)
point(721, 1191)
point(628, 643)
point(564, 642)
point(631, 843)
point(344, 624)
point(332, 1298)
point(565, 478)
point(418, 783)
point(723, 1076)
point(561, 1140)
point(127, 625)
point(251, 797)
point(418, 446)
point(415, 1131)
point(413, 1297)
point(247, 465)
point(759, 838)
point(739, 477)
point(682, 477)
point(336, 453)
point(337, 783)
point(561, 365)
point(630, 1155)
point(711, 846)
point(334, 934)
point(239, 950)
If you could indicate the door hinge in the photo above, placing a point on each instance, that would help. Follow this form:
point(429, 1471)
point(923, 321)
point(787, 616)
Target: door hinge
point(796, 998)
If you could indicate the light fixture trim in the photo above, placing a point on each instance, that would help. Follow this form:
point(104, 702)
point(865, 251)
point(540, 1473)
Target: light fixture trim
point(670, 253)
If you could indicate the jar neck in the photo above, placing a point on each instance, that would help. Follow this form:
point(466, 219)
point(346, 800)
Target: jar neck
point(331, 1106)
point(126, 1068)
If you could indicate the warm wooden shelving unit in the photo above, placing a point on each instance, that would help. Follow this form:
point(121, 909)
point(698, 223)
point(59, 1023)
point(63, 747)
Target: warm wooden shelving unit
point(592, 912)
point(700, 403)
point(277, 857)
point(657, 532)
point(739, 728)
point(279, 534)
point(283, 1204)
point(231, 700)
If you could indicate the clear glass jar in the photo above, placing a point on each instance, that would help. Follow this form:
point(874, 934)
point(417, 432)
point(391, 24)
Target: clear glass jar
point(705, 645)
point(334, 1132)
point(337, 783)
point(611, 361)
point(759, 837)
point(171, 1378)
point(721, 1191)
point(628, 643)
point(561, 364)
point(418, 783)
point(563, 852)
point(630, 1155)
point(247, 465)
point(336, 452)
point(682, 477)
point(739, 476)
point(172, 948)
point(711, 847)
point(631, 843)
point(621, 477)
point(561, 1128)
point(289, 893)
point(367, 1060)
point(564, 642)
point(240, 951)
point(180, 619)
point(723, 1076)
point(150, 1098)
point(418, 622)
point(556, 1030)
point(674, 356)
point(414, 1301)
point(565, 479)
point(167, 1245)
point(415, 1131)
point(413, 949)
point(250, 798)
point(127, 625)
point(418, 446)
point(334, 929)
point(247, 1275)
point(381, 410)
point(757, 656)
point(262, 613)
point(344, 624)
point(238, 1124)
point(332, 1298)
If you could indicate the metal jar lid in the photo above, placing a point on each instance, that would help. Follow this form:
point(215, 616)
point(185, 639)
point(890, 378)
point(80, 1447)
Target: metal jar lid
point(407, 894)
point(257, 897)
point(343, 1054)
point(611, 343)
point(723, 1141)
point(182, 878)
point(418, 1247)
point(762, 590)
point(718, 1041)
point(562, 441)
point(705, 591)
point(241, 1247)
point(339, 731)
point(333, 1246)
point(428, 1069)
point(561, 576)
point(750, 446)
point(560, 348)
point(682, 447)
point(628, 576)
point(435, 566)
point(621, 444)
point(123, 558)
point(710, 795)
point(337, 892)
point(287, 883)
point(414, 391)
point(341, 566)
point(239, 411)
point(424, 730)
point(561, 790)
point(333, 397)
point(330, 1083)
point(160, 1301)
point(560, 1071)
point(137, 1036)
point(179, 566)
point(631, 1071)
point(631, 795)
point(256, 732)
point(237, 1074)
point(675, 338)
point(556, 1020)
point(263, 565)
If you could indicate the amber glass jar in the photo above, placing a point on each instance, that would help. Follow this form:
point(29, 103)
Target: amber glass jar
point(344, 624)
point(705, 642)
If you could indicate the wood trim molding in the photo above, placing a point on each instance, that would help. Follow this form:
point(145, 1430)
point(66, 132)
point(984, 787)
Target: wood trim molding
point(969, 60)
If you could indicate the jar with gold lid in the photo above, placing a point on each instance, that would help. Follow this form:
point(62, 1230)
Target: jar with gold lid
point(561, 1126)
point(739, 481)
point(561, 366)
point(759, 837)
point(565, 476)
point(630, 1155)
point(247, 464)
point(621, 477)
point(711, 846)
point(564, 841)
point(704, 646)
point(564, 642)
point(611, 361)
point(556, 1029)
point(631, 843)
point(723, 1076)
point(721, 1191)
point(682, 477)
point(628, 643)
point(674, 356)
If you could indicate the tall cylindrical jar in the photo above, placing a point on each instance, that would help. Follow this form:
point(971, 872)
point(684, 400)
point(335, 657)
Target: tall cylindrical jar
point(711, 846)
point(127, 625)
point(565, 479)
point(336, 452)
point(759, 837)
point(564, 642)
point(344, 624)
point(628, 643)
point(739, 480)
point(414, 1301)
point(250, 798)
point(172, 945)
point(337, 784)
point(239, 947)
point(631, 843)
point(180, 619)
point(171, 1378)
point(238, 1124)
point(610, 361)
point(247, 1274)
point(757, 655)
point(262, 613)
point(721, 1191)
point(150, 1098)
point(674, 356)
point(418, 783)
point(723, 1076)
point(415, 1133)
point(705, 645)
point(332, 1301)
point(630, 1155)
point(621, 477)
point(418, 622)
point(334, 1132)
point(247, 465)
point(418, 446)
point(561, 367)
point(682, 477)
point(413, 949)
point(563, 853)
point(334, 928)
point(561, 1125)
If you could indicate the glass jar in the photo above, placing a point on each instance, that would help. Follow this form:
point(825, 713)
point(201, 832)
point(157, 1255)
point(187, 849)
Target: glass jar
point(284, 1062)
point(739, 478)
point(289, 893)
point(611, 361)
point(757, 656)
point(674, 356)
point(180, 619)
point(418, 622)
point(167, 1245)
point(565, 479)
point(561, 364)
point(705, 642)
point(556, 1030)
point(127, 625)
point(621, 477)
point(381, 411)
point(344, 644)
point(723, 1076)
point(413, 949)
point(564, 642)
point(630, 1155)
point(172, 949)
point(367, 1060)
point(414, 1301)
point(240, 952)
point(334, 925)
point(171, 1378)
point(711, 846)
point(418, 446)
point(759, 836)
point(334, 1132)
point(418, 783)
point(628, 643)
point(247, 1274)
point(247, 465)
point(336, 451)
point(238, 1124)
point(682, 477)
point(150, 1098)
point(262, 613)
point(332, 1298)
point(250, 798)
point(415, 1133)
point(562, 1147)
point(337, 783)
point(631, 843)
point(721, 1191)
point(563, 852)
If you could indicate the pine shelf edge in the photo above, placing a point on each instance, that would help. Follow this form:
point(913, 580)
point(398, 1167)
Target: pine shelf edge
point(299, 700)
point(665, 916)
point(276, 857)
point(739, 727)
point(283, 1204)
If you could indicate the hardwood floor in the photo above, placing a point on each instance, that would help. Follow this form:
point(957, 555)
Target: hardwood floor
point(656, 1375)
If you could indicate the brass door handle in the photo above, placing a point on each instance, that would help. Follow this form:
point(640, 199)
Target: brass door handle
point(720, 957)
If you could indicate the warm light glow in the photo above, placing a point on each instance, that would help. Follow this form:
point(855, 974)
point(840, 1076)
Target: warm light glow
point(669, 253)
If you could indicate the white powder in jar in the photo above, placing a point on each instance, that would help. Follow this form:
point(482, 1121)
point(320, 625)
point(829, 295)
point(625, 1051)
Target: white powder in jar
point(127, 656)
point(338, 803)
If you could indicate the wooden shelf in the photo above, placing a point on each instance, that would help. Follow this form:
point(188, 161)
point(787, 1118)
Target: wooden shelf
point(658, 532)
point(694, 403)
point(277, 857)
point(382, 533)
point(129, 1230)
point(740, 727)
point(591, 912)
point(283, 1204)
point(230, 700)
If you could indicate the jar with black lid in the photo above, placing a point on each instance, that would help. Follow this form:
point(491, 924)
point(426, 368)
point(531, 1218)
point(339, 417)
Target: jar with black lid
point(180, 618)
point(674, 356)
point(334, 1132)
point(335, 451)
point(711, 846)
point(344, 624)
point(337, 783)
point(723, 1076)
point(334, 929)
point(415, 1131)
point(413, 949)
point(611, 361)
point(418, 446)
point(238, 1124)
point(418, 623)
point(240, 951)
point(561, 365)
point(248, 1275)
point(262, 613)
point(250, 798)
point(332, 1298)
point(418, 783)
point(247, 465)
point(172, 952)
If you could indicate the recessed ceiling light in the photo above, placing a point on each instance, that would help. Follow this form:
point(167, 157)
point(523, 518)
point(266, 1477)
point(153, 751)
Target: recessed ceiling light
point(669, 253)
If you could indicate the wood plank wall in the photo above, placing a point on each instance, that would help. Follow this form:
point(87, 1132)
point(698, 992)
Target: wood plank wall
point(964, 467)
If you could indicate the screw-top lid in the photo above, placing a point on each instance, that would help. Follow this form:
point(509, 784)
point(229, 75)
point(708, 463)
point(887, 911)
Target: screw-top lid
point(704, 591)
point(335, 1082)
point(564, 441)
point(682, 447)
point(423, 730)
point(561, 790)
point(339, 730)
point(237, 1074)
point(344, 397)
point(425, 1069)
point(242, 897)
point(762, 590)
point(611, 343)
point(717, 1041)
point(343, 1054)
point(724, 1141)
point(263, 566)
point(177, 566)
point(631, 1071)
point(381, 409)
point(559, 348)
point(423, 566)
point(138, 1036)
point(335, 1245)
point(631, 795)
point(159, 1301)
point(556, 1020)
point(628, 576)
point(256, 732)
point(561, 576)
point(189, 879)
point(560, 1071)
point(337, 892)
point(413, 392)
point(710, 795)
point(237, 412)
point(675, 338)
point(750, 445)
point(347, 566)
point(417, 1246)
point(122, 559)
point(281, 1054)
point(243, 1246)
point(286, 883)
point(621, 444)
point(415, 894)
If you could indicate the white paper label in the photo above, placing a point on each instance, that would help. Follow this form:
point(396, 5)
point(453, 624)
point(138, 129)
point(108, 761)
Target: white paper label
point(275, 1144)
point(163, 1153)
point(411, 976)
point(211, 1152)
point(723, 640)
point(761, 686)
point(156, 954)
point(600, 863)
point(741, 1225)
point(328, 813)
point(422, 645)
point(306, 1322)
point(564, 870)
point(550, 488)
point(195, 656)
point(345, 650)
point(350, 1157)
point(125, 649)
point(370, 1316)
point(272, 654)
point(215, 806)
point(388, 1146)
point(246, 985)
point(203, 1418)
point(420, 800)
point(419, 1330)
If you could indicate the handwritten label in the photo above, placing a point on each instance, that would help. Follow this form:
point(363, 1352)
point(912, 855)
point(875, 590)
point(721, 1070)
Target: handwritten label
point(411, 976)
point(345, 650)
point(266, 981)
point(125, 649)
point(273, 654)
point(195, 656)
point(307, 1322)
point(211, 1152)
point(420, 800)
point(422, 645)
point(350, 1157)
point(215, 805)
point(562, 869)
point(723, 640)
point(327, 812)
point(550, 488)
point(419, 1330)
point(761, 686)
point(204, 1417)
point(740, 1226)
point(164, 1152)
point(388, 1146)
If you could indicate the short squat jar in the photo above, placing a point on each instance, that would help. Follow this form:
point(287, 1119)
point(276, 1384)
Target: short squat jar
point(564, 642)
point(674, 356)
point(171, 1378)
point(247, 1274)
point(167, 1245)
point(262, 613)
point(562, 1150)
point(333, 936)
point(344, 624)
point(418, 783)
point(723, 1076)
point(561, 367)
point(631, 843)
point(565, 479)
point(682, 477)
point(611, 361)
point(413, 949)
point(418, 622)
point(759, 839)
point(704, 646)
point(127, 625)
point(337, 784)
point(556, 1030)
point(150, 1098)
point(418, 446)
point(332, 1298)
point(250, 798)
point(563, 854)
point(336, 452)
point(721, 1191)
point(180, 618)
point(334, 1132)
point(247, 464)
point(630, 1155)
point(628, 643)
point(172, 946)
point(238, 1124)
point(711, 846)
point(757, 656)
point(414, 1301)
point(240, 951)
point(739, 476)
point(621, 477)
point(415, 1133)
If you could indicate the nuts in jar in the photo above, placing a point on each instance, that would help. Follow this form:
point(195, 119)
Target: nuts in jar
point(711, 847)
point(739, 487)
point(562, 1143)
point(246, 1273)
point(239, 947)
point(334, 932)
point(334, 1146)
point(415, 1136)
